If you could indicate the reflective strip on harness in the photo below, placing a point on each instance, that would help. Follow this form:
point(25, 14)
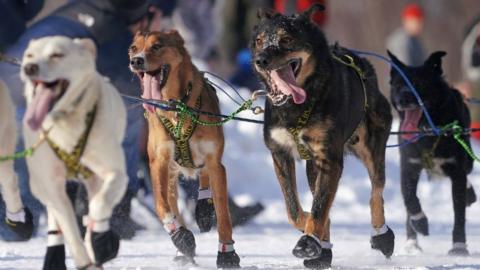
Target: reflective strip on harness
point(72, 160)
point(183, 154)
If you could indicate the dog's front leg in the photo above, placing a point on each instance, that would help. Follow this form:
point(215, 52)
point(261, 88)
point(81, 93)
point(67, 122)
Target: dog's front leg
point(105, 191)
point(61, 210)
point(55, 256)
point(226, 257)
point(459, 191)
point(329, 167)
point(284, 166)
point(163, 186)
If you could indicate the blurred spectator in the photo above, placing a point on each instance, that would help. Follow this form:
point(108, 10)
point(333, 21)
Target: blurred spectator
point(238, 19)
point(14, 15)
point(471, 70)
point(111, 25)
point(195, 21)
point(244, 75)
point(296, 6)
point(405, 42)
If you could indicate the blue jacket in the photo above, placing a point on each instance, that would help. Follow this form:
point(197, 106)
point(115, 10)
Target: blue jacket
point(112, 39)
point(13, 17)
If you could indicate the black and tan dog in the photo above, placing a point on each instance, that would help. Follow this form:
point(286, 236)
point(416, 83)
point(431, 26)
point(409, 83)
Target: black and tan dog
point(321, 101)
point(177, 145)
point(436, 155)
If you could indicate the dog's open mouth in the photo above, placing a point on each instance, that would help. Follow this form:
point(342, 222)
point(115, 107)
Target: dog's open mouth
point(411, 118)
point(283, 84)
point(45, 96)
point(153, 83)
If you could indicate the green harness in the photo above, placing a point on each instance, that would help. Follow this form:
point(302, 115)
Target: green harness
point(183, 154)
point(71, 160)
point(303, 150)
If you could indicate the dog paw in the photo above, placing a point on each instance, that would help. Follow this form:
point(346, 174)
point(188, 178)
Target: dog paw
point(228, 260)
point(412, 247)
point(55, 258)
point(23, 229)
point(307, 248)
point(184, 241)
point(459, 249)
point(419, 223)
point(205, 214)
point(471, 196)
point(322, 262)
point(105, 246)
point(385, 242)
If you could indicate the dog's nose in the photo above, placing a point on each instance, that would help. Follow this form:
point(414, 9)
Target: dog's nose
point(137, 62)
point(31, 69)
point(262, 60)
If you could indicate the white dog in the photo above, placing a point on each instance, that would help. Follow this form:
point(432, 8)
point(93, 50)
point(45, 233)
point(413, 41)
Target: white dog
point(83, 119)
point(18, 218)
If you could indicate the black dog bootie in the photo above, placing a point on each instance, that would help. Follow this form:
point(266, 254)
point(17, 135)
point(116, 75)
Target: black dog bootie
point(228, 260)
point(205, 214)
point(385, 242)
point(105, 246)
point(55, 258)
point(419, 223)
point(184, 241)
point(322, 262)
point(307, 248)
point(23, 229)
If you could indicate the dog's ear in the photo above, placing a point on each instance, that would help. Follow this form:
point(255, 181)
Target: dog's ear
point(87, 44)
point(396, 61)
point(434, 61)
point(308, 13)
point(173, 33)
point(267, 14)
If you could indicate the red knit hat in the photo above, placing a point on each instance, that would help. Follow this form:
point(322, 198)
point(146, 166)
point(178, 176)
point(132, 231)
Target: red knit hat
point(413, 11)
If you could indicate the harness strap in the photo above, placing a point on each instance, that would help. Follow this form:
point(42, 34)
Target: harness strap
point(303, 149)
point(72, 160)
point(183, 154)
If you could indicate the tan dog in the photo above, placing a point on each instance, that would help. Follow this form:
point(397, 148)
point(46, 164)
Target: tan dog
point(163, 65)
point(17, 217)
point(85, 119)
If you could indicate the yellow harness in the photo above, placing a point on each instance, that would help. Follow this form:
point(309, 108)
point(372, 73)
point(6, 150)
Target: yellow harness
point(71, 160)
point(183, 154)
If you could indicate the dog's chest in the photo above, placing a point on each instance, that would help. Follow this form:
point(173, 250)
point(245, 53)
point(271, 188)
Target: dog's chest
point(199, 150)
point(286, 140)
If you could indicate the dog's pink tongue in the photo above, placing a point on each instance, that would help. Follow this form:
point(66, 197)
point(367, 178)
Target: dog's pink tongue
point(151, 90)
point(410, 123)
point(284, 79)
point(39, 107)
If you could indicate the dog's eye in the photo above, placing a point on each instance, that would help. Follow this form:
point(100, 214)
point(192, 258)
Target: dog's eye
point(133, 48)
point(286, 40)
point(29, 55)
point(56, 55)
point(156, 47)
point(258, 42)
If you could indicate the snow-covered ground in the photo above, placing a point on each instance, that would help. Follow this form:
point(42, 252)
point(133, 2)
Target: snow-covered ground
point(267, 242)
